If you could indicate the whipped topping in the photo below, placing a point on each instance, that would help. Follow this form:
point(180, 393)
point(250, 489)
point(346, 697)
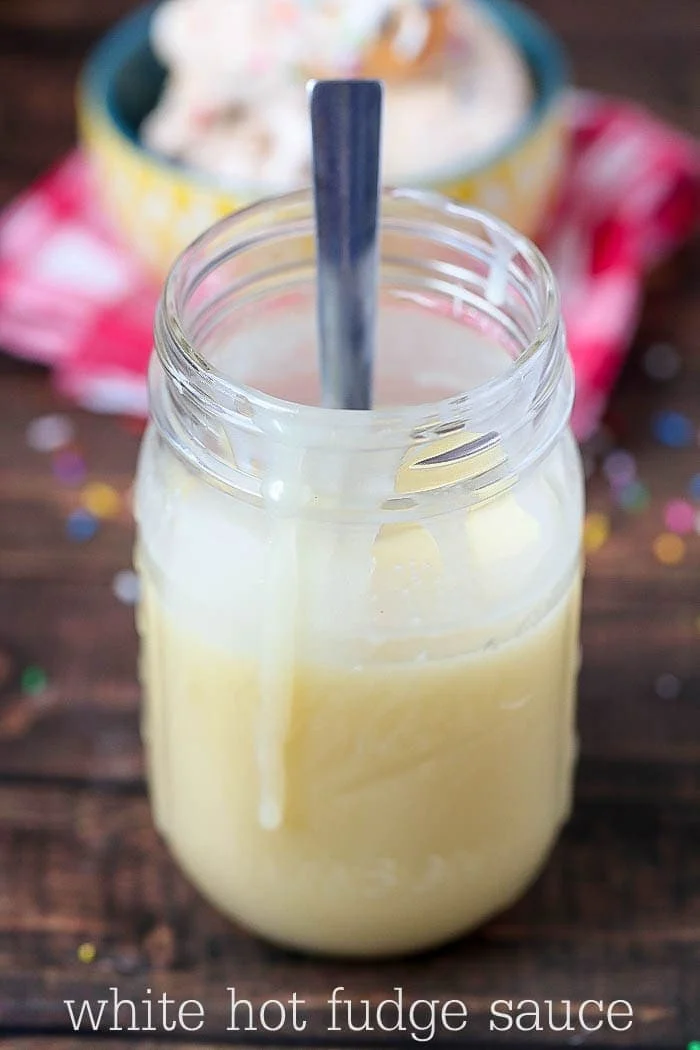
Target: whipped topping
point(234, 103)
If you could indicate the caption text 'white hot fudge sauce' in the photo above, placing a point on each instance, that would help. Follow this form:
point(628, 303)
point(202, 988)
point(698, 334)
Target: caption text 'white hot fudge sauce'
point(359, 672)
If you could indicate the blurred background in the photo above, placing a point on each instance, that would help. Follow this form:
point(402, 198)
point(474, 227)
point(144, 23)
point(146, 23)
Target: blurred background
point(642, 50)
point(87, 894)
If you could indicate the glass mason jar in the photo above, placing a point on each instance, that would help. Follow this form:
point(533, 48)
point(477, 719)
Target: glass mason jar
point(360, 629)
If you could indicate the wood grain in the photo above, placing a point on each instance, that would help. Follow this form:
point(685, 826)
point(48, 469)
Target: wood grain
point(616, 913)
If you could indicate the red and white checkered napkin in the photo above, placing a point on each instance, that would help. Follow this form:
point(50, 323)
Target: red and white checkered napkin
point(73, 298)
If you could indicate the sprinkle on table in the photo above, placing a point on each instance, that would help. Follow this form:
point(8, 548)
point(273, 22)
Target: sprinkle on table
point(669, 549)
point(596, 531)
point(662, 362)
point(33, 680)
point(668, 687)
point(101, 500)
point(634, 498)
point(81, 526)
point(679, 517)
point(86, 953)
point(620, 468)
point(125, 586)
point(69, 467)
point(49, 433)
point(673, 429)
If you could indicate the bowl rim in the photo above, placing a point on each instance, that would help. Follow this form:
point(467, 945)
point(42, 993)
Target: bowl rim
point(542, 48)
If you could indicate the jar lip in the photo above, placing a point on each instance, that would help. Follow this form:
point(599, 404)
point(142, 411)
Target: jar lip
point(222, 390)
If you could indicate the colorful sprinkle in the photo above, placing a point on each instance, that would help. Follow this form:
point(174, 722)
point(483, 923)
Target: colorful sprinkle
point(662, 362)
point(668, 687)
point(125, 586)
point(101, 500)
point(596, 532)
point(669, 549)
point(33, 681)
point(634, 498)
point(49, 433)
point(81, 526)
point(679, 517)
point(69, 467)
point(694, 487)
point(620, 468)
point(86, 953)
point(673, 429)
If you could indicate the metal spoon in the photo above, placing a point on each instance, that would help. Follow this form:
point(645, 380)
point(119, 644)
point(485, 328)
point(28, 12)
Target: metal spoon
point(346, 118)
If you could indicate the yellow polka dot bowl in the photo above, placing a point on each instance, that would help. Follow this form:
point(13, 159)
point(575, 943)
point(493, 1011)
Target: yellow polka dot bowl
point(159, 206)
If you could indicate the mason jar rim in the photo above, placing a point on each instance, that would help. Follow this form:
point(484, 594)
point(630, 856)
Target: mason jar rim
point(182, 360)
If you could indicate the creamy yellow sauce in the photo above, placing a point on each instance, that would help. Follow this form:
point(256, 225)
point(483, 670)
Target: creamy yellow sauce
point(360, 741)
point(419, 798)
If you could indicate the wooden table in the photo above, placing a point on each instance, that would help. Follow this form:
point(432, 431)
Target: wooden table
point(616, 916)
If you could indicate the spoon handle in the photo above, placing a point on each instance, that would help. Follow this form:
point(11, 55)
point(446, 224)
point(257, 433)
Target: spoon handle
point(346, 129)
